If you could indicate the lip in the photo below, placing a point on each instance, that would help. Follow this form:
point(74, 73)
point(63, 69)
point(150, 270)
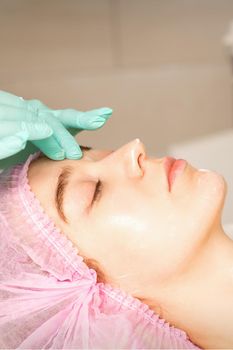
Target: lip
point(173, 168)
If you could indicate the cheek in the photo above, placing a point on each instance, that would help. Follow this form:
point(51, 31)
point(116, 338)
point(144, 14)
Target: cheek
point(209, 193)
point(116, 235)
point(130, 230)
point(138, 236)
point(190, 213)
point(122, 223)
point(125, 211)
point(189, 220)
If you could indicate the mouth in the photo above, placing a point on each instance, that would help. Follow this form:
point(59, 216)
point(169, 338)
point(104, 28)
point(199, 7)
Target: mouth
point(173, 168)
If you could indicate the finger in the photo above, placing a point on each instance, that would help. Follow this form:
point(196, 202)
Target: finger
point(51, 148)
point(34, 131)
point(12, 144)
point(34, 105)
point(66, 141)
point(7, 98)
point(89, 120)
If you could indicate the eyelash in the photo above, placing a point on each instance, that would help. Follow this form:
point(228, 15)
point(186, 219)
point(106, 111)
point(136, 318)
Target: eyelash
point(98, 191)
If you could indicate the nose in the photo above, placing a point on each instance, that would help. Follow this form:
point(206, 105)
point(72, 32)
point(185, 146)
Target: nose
point(131, 158)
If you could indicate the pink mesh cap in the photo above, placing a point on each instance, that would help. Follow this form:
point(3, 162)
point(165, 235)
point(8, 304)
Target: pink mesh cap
point(50, 299)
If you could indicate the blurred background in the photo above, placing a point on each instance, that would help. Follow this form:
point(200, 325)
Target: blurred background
point(164, 66)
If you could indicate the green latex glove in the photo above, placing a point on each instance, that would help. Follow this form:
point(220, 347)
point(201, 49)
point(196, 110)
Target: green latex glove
point(30, 120)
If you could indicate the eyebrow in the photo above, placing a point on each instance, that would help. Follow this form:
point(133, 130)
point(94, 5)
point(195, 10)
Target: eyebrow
point(62, 182)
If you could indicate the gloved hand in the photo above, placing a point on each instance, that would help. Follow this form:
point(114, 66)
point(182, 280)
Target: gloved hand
point(22, 120)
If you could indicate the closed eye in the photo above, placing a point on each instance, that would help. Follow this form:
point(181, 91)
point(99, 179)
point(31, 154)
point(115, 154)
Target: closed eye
point(97, 193)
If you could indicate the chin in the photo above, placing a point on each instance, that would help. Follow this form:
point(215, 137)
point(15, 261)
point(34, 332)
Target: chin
point(212, 188)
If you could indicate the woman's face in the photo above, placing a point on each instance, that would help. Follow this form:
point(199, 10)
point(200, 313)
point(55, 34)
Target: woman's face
point(137, 230)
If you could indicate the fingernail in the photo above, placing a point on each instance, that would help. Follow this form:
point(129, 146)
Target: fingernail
point(97, 123)
point(86, 120)
point(105, 111)
point(59, 155)
point(74, 155)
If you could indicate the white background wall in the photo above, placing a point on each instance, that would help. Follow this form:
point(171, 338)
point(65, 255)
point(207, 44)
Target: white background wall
point(160, 64)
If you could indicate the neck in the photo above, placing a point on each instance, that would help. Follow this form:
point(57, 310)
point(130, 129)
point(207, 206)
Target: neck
point(201, 301)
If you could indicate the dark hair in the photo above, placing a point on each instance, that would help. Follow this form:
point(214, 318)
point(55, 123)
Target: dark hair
point(93, 264)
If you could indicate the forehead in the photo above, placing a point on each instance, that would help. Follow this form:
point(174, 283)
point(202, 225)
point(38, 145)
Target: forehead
point(95, 154)
point(45, 168)
point(88, 154)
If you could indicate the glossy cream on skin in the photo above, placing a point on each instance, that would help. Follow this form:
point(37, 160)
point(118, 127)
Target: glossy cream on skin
point(167, 247)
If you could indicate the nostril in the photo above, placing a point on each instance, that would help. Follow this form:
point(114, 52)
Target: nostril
point(141, 159)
